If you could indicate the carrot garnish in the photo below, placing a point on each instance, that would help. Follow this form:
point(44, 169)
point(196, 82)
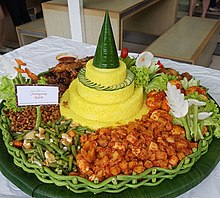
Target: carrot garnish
point(31, 75)
point(20, 62)
point(20, 71)
point(17, 143)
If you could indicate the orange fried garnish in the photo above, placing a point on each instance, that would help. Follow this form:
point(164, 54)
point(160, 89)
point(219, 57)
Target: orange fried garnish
point(194, 89)
point(19, 70)
point(31, 75)
point(17, 143)
point(177, 83)
point(154, 99)
point(20, 62)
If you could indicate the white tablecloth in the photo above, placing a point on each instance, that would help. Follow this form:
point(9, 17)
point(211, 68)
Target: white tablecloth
point(40, 56)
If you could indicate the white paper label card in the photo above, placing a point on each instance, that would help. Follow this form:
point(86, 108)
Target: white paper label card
point(37, 95)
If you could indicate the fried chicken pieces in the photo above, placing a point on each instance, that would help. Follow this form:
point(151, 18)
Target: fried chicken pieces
point(65, 72)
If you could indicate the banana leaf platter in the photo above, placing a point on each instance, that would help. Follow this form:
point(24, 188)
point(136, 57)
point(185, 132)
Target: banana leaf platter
point(167, 186)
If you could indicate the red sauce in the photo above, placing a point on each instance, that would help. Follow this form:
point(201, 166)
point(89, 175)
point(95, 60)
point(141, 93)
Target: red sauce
point(66, 59)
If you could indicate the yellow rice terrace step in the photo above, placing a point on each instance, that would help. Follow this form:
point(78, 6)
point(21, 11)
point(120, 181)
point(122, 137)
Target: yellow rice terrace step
point(104, 97)
point(106, 77)
point(104, 112)
point(95, 124)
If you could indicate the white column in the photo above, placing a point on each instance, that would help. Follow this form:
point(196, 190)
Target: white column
point(75, 8)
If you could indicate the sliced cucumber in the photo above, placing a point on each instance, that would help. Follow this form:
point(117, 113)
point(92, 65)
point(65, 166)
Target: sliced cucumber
point(88, 83)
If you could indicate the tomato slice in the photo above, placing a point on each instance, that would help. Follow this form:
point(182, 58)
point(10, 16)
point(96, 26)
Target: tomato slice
point(160, 65)
point(124, 52)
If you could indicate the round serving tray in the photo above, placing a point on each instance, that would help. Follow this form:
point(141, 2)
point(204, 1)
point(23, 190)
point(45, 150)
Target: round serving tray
point(30, 184)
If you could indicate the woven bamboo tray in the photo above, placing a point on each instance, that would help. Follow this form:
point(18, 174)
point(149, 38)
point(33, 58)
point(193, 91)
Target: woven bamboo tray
point(155, 182)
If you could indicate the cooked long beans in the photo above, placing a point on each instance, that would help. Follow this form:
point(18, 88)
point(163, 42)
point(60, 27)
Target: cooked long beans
point(64, 155)
point(38, 120)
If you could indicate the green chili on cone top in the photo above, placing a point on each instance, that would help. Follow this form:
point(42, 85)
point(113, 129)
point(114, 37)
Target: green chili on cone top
point(106, 56)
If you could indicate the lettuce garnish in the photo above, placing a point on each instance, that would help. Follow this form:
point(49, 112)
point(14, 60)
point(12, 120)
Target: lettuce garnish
point(158, 83)
point(7, 93)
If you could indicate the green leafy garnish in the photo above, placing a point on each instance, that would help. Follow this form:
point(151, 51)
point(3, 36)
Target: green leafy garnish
point(186, 84)
point(197, 96)
point(7, 93)
point(158, 83)
point(214, 121)
point(142, 76)
point(42, 81)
